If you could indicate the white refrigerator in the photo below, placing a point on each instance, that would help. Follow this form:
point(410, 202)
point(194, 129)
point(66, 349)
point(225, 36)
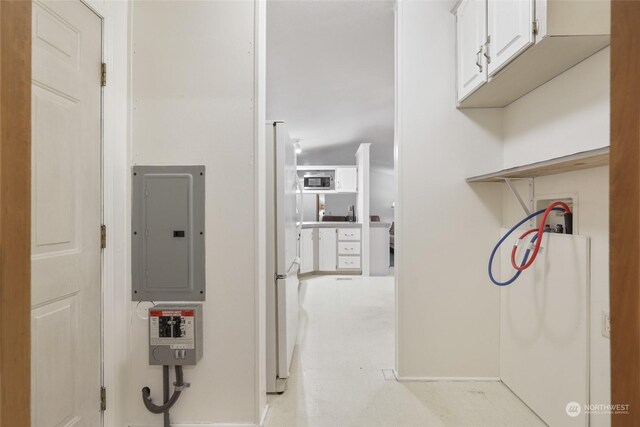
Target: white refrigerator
point(284, 222)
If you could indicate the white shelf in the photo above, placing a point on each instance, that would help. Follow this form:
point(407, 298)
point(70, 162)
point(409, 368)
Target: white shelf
point(583, 160)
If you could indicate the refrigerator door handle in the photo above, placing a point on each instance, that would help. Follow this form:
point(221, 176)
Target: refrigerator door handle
point(299, 205)
point(295, 262)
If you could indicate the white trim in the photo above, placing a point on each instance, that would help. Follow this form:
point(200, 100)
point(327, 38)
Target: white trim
point(323, 167)
point(398, 124)
point(263, 419)
point(115, 149)
point(260, 213)
point(446, 379)
point(196, 425)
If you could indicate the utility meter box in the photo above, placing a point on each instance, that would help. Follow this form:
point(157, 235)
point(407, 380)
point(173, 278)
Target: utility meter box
point(167, 227)
point(175, 334)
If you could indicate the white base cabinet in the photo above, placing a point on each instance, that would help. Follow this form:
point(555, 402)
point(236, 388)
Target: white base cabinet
point(327, 248)
point(330, 249)
point(380, 251)
point(307, 250)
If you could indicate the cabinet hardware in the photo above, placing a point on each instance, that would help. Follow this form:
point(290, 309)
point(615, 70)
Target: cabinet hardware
point(534, 27)
point(478, 60)
point(486, 50)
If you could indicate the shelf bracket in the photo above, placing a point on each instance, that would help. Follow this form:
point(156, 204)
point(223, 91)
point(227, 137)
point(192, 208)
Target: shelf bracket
point(528, 208)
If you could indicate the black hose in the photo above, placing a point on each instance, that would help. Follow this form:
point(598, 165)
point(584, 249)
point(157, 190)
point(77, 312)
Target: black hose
point(159, 409)
point(165, 395)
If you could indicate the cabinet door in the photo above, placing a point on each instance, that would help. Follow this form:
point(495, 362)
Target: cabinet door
point(306, 250)
point(327, 248)
point(510, 30)
point(347, 180)
point(471, 32)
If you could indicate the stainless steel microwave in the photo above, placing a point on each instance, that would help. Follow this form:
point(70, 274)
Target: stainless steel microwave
point(318, 182)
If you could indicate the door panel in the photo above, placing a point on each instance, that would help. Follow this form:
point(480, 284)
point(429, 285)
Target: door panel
point(510, 30)
point(471, 32)
point(306, 250)
point(53, 339)
point(66, 214)
point(327, 248)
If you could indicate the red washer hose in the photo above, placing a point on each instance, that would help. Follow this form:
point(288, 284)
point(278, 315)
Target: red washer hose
point(540, 231)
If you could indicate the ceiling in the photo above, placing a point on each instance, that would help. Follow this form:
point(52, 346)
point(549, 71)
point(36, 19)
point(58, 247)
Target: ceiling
point(330, 75)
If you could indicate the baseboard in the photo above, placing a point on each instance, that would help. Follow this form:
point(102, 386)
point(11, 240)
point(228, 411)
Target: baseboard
point(187, 424)
point(263, 418)
point(434, 379)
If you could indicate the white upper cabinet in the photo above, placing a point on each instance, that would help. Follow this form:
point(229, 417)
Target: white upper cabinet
point(346, 179)
point(510, 31)
point(525, 43)
point(471, 33)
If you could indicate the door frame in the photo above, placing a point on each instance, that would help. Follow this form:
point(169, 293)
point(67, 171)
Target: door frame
point(114, 197)
point(15, 213)
point(624, 231)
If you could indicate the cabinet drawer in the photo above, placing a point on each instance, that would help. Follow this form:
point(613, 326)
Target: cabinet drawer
point(349, 248)
point(348, 234)
point(349, 262)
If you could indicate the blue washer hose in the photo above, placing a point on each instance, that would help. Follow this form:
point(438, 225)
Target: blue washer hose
point(526, 254)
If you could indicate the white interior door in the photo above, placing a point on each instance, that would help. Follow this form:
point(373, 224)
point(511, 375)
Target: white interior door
point(510, 24)
point(66, 215)
point(471, 34)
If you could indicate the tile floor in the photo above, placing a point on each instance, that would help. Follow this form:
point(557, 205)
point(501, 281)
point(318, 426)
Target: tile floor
point(345, 350)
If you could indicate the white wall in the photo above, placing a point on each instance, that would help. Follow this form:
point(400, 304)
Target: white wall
point(569, 114)
point(383, 192)
point(195, 101)
point(338, 204)
point(566, 115)
point(447, 308)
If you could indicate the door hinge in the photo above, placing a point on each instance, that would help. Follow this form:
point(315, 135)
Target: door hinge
point(103, 236)
point(103, 74)
point(103, 399)
point(534, 27)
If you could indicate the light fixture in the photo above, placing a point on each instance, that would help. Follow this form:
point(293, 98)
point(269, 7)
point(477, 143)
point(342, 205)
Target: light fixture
point(297, 146)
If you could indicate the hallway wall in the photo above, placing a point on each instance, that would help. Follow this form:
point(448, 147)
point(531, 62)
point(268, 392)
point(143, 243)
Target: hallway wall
point(569, 114)
point(447, 309)
point(194, 101)
point(446, 313)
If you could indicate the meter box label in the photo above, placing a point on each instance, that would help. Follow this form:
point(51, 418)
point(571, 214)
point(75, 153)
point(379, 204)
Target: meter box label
point(172, 327)
point(175, 334)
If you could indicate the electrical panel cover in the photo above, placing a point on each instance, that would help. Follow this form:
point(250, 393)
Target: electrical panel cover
point(168, 236)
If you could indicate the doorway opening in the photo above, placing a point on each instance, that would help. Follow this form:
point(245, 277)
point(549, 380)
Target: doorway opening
point(330, 95)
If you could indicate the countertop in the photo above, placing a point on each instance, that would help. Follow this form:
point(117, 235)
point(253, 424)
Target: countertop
point(342, 224)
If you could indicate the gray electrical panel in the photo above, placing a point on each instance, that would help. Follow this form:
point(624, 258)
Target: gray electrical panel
point(168, 259)
point(175, 334)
